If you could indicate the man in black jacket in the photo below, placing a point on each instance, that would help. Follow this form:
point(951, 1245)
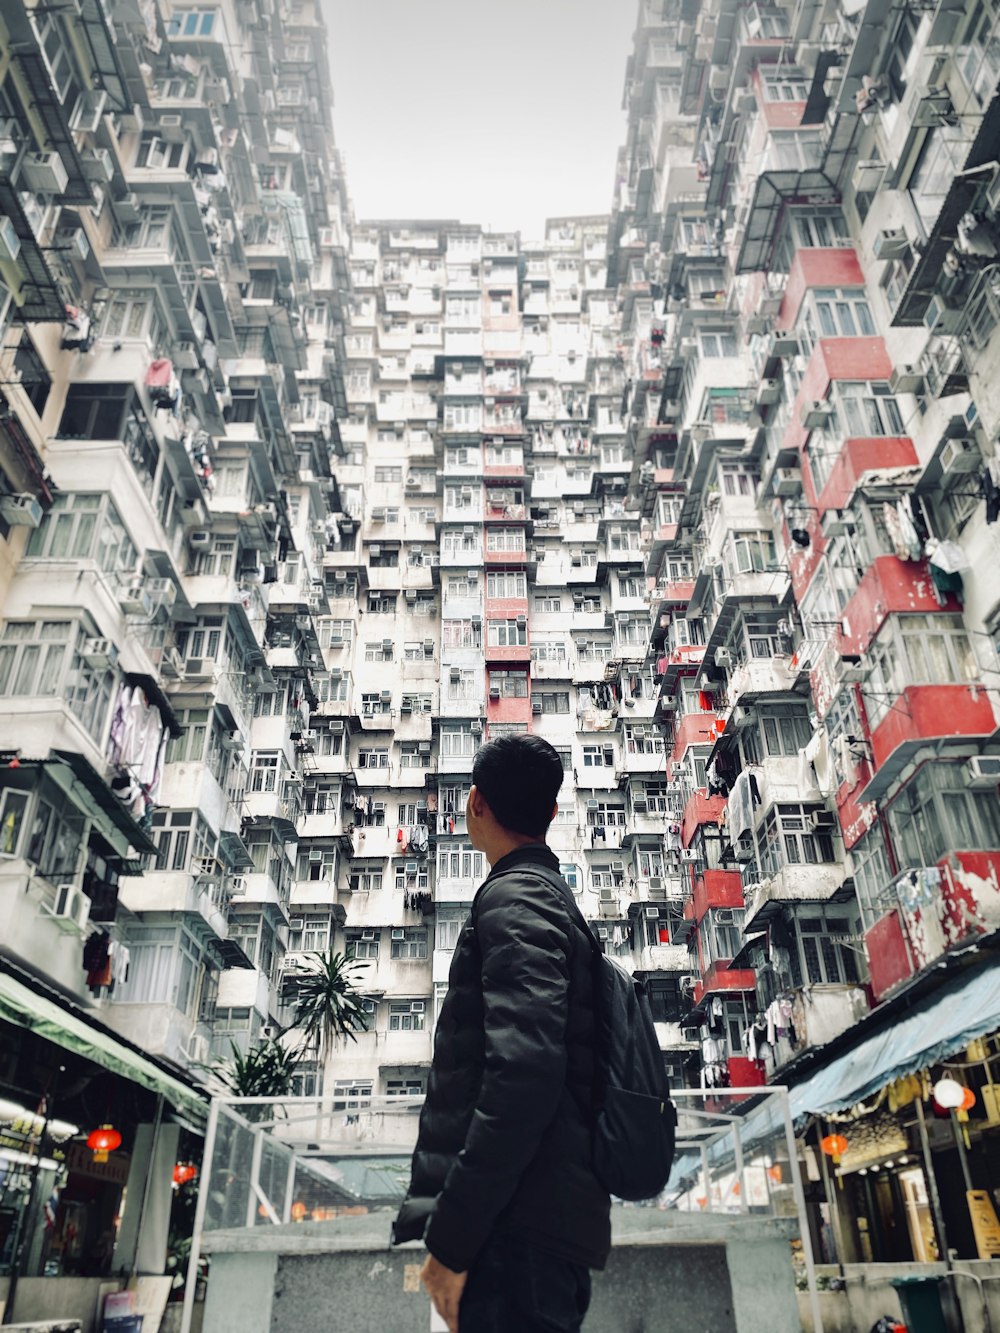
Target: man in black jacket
point(502, 1190)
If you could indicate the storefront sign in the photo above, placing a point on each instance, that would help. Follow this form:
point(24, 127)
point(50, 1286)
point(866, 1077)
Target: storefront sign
point(985, 1226)
point(114, 1171)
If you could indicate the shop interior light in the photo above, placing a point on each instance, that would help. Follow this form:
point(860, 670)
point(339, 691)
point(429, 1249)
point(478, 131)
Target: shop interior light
point(32, 1124)
point(949, 1094)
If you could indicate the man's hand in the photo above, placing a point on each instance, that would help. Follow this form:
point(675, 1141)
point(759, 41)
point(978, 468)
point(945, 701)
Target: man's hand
point(445, 1290)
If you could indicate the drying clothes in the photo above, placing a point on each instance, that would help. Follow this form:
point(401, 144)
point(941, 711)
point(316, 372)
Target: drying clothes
point(816, 765)
point(705, 701)
point(743, 798)
point(845, 761)
point(908, 529)
point(919, 888)
point(894, 528)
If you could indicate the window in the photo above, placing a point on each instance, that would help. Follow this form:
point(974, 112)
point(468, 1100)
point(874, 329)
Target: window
point(112, 412)
point(373, 758)
point(551, 701)
point(788, 838)
point(827, 948)
point(448, 924)
point(50, 38)
point(352, 1094)
point(364, 881)
point(511, 684)
point(505, 539)
point(180, 835)
point(378, 651)
point(506, 584)
point(548, 649)
point(547, 603)
point(192, 23)
point(463, 683)
point(936, 813)
point(819, 231)
point(407, 1015)
point(748, 552)
point(372, 704)
point(409, 944)
point(598, 756)
point(42, 659)
point(978, 55)
point(629, 587)
point(84, 525)
point(311, 934)
point(460, 634)
point(334, 633)
point(412, 875)
point(382, 603)
point(461, 862)
point(718, 344)
point(458, 742)
point(915, 650)
point(412, 756)
point(264, 770)
point(507, 633)
point(460, 586)
point(362, 945)
point(843, 312)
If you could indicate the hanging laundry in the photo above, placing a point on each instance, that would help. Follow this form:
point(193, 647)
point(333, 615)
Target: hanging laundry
point(990, 481)
point(743, 798)
point(908, 530)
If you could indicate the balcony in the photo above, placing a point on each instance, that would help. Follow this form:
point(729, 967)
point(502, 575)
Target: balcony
point(889, 585)
point(791, 884)
point(820, 1014)
point(929, 911)
point(920, 716)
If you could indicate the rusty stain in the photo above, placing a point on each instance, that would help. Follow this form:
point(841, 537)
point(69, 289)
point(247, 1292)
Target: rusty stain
point(411, 1277)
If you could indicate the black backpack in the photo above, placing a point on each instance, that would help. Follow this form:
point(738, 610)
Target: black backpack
point(635, 1121)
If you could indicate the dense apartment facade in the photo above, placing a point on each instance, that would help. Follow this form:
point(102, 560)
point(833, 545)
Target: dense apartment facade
point(804, 248)
point(296, 510)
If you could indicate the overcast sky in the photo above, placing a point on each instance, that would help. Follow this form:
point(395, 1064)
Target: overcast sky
point(499, 112)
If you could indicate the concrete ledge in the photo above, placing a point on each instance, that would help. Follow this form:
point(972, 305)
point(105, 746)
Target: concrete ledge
point(730, 1274)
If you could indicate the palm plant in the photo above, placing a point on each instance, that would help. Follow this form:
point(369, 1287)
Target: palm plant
point(328, 1008)
point(265, 1071)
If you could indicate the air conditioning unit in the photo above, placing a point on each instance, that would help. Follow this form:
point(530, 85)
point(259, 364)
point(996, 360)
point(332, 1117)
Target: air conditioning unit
point(906, 379)
point(428, 646)
point(867, 175)
point(890, 243)
point(494, 692)
point(536, 706)
point(983, 770)
point(689, 854)
point(816, 414)
point(44, 173)
point(199, 668)
point(476, 728)
point(655, 882)
point(603, 933)
point(72, 909)
point(199, 539)
point(171, 128)
point(98, 165)
point(822, 819)
point(608, 895)
point(163, 592)
point(20, 511)
point(418, 1007)
point(938, 317)
point(723, 657)
point(639, 807)
point(135, 600)
point(411, 594)
point(960, 456)
point(398, 933)
point(101, 654)
point(784, 344)
point(315, 854)
point(787, 481)
point(455, 673)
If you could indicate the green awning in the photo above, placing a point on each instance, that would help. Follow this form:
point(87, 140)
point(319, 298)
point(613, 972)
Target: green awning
point(67, 1027)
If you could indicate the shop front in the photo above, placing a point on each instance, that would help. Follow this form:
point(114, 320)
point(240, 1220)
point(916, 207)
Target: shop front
point(92, 1136)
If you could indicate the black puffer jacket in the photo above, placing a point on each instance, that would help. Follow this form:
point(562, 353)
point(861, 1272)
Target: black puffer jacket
point(504, 1142)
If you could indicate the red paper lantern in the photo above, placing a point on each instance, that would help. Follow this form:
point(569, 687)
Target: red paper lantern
point(184, 1172)
point(298, 1211)
point(103, 1141)
point(834, 1145)
point(968, 1100)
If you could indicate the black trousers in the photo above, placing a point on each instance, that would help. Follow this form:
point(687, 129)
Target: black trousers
point(514, 1288)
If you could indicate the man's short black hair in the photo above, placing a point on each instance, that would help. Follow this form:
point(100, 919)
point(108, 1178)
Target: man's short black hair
point(519, 777)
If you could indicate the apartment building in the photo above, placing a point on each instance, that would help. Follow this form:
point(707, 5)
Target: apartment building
point(173, 254)
point(490, 581)
point(804, 246)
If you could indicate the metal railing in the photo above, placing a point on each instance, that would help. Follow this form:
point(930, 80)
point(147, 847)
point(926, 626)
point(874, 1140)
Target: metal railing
point(283, 1160)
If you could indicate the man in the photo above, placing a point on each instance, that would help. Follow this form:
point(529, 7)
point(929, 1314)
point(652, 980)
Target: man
point(502, 1191)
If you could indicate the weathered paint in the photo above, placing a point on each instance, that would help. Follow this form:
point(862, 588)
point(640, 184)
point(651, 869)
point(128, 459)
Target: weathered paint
point(817, 268)
point(888, 956)
point(889, 586)
point(926, 712)
point(700, 809)
point(858, 456)
point(716, 888)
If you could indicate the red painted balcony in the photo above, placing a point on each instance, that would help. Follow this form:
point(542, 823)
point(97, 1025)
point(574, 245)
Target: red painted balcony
point(745, 1073)
point(858, 456)
point(889, 585)
point(506, 557)
point(721, 978)
point(716, 888)
point(921, 714)
point(693, 729)
point(497, 656)
point(700, 809)
point(940, 908)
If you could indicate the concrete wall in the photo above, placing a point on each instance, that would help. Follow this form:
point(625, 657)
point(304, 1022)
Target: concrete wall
point(868, 1295)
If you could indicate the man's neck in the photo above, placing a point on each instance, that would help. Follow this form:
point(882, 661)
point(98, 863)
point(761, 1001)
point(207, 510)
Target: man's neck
point(506, 843)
